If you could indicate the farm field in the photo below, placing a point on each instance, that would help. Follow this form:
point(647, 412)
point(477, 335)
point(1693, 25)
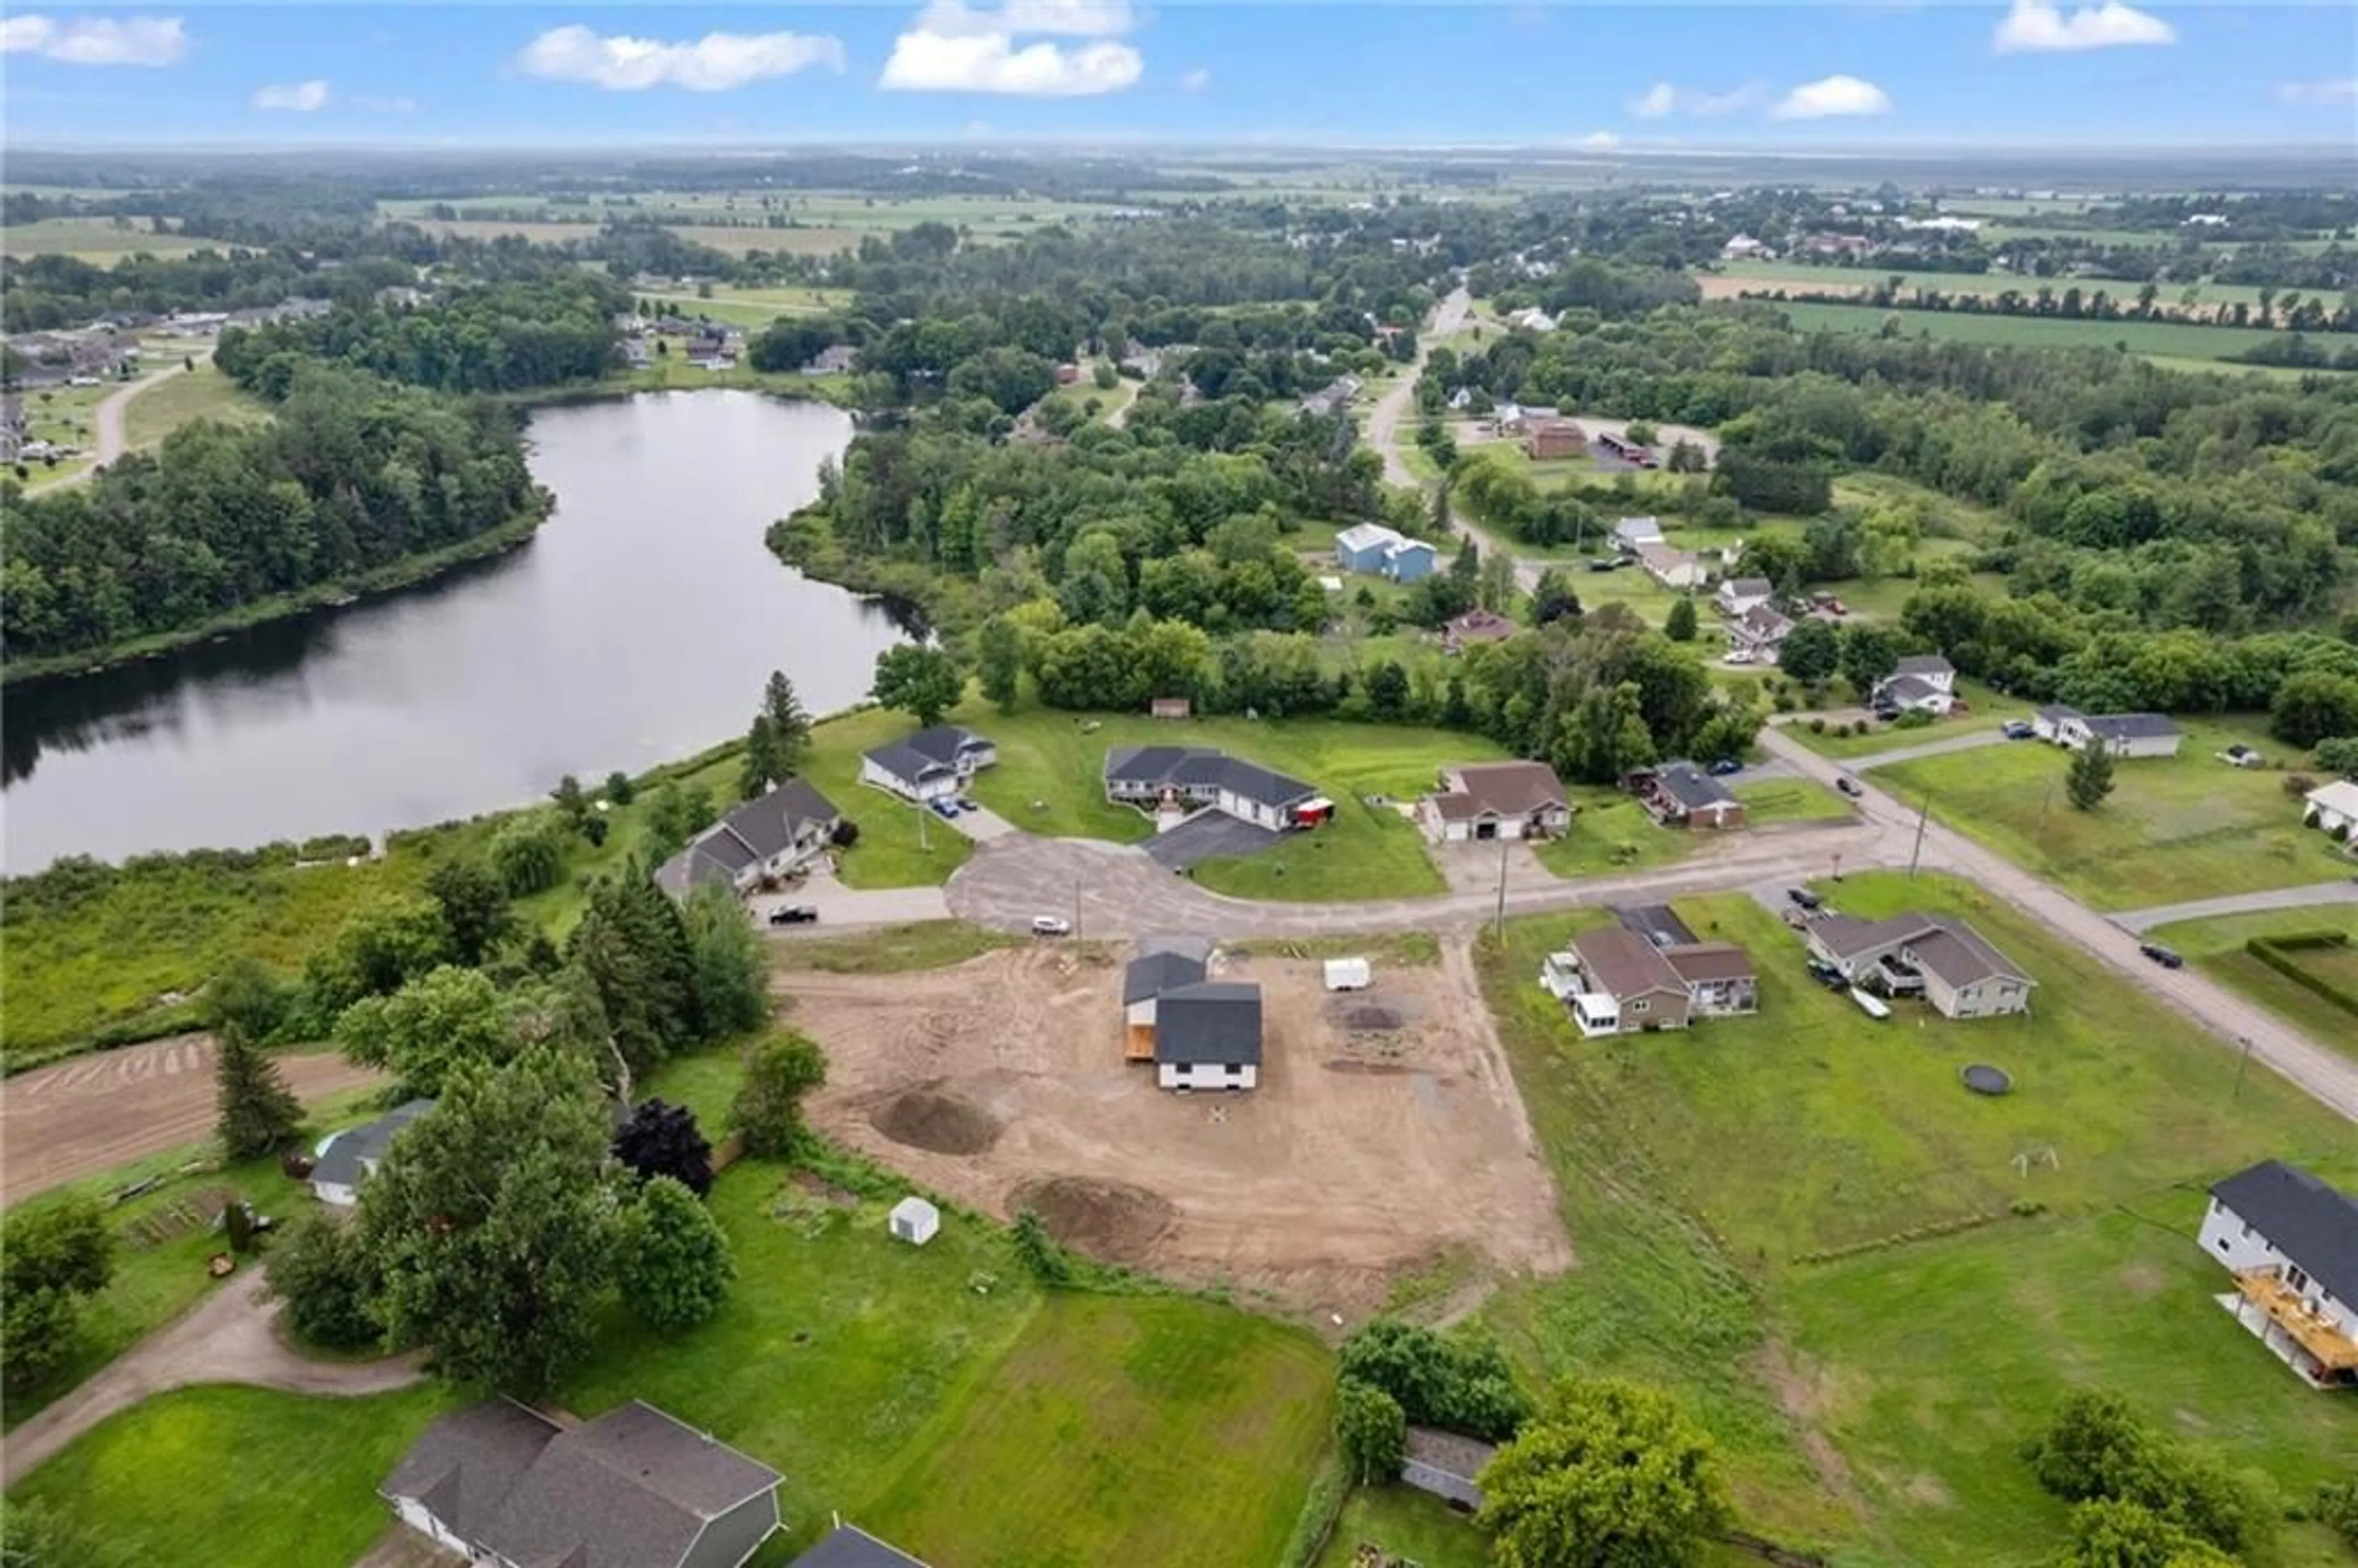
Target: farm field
point(235, 1477)
point(1050, 780)
point(1867, 1404)
point(2216, 947)
point(2175, 339)
point(2173, 828)
point(1802, 276)
point(96, 240)
point(1379, 1138)
point(182, 399)
point(750, 307)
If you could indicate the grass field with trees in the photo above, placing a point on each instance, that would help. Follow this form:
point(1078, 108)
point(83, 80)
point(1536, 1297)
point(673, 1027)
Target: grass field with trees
point(2176, 340)
point(200, 393)
point(2216, 946)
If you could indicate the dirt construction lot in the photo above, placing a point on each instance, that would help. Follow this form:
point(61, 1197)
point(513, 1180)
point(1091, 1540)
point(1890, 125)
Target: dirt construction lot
point(1385, 1132)
point(82, 1116)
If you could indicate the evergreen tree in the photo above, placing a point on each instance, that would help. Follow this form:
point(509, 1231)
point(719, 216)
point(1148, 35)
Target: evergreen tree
point(474, 905)
point(2090, 778)
point(632, 943)
point(731, 968)
point(762, 768)
point(999, 658)
point(790, 726)
point(258, 1113)
point(676, 1269)
point(1680, 625)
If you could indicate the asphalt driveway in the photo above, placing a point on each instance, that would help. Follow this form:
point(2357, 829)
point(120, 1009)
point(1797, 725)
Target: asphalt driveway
point(1207, 835)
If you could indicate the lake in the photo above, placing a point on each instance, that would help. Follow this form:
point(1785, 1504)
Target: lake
point(635, 628)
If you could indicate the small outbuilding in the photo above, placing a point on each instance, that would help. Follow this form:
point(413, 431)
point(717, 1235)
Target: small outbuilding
point(1448, 1466)
point(914, 1221)
point(1349, 975)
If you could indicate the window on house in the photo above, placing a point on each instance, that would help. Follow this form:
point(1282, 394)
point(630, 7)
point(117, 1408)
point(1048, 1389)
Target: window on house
point(1639, 1006)
point(2295, 1278)
point(1235, 1071)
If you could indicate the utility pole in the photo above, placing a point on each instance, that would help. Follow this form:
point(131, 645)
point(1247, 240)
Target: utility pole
point(2241, 1063)
point(1076, 909)
point(1922, 814)
point(1502, 889)
point(925, 842)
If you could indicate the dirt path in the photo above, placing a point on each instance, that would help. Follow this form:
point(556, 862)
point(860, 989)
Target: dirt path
point(95, 1112)
point(230, 1338)
point(110, 420)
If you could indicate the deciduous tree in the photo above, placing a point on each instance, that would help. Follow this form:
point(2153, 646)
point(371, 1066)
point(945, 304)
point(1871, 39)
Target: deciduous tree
point(2089, 778)
point(731, 968)
point(425, 1030)
point(52, 1254)
point(1370, 1431)
point(474, 906)
point(1608, 1474)
point(675, 1264)
point(767, 1112)
point(1679, 625)
point(661, 1140)
point(320, 1268)
point(921, 681)
point(998, 661)
point(1811, 653)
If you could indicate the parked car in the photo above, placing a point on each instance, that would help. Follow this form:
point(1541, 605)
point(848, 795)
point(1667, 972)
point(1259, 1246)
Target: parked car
point(1804, 897)
point(1723, 767)
point(946, 809)
point(2167, 957)
point(1849, 787)
point(2018, 730)
point(1798, 919)
point(1051, 925)
point(793, 914)
point(1826, 975)
point(968, 803)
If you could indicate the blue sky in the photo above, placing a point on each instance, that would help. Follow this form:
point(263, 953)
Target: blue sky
point(1868, 73)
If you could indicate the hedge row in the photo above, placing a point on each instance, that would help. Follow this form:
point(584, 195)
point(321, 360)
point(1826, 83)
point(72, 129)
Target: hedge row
point(2276, 952)
point(1926, 1232)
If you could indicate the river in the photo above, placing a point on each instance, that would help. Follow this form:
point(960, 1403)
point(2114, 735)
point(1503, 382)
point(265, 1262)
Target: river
point(637, 626)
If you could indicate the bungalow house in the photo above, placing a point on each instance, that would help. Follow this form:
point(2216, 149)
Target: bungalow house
point(2123, 734)
point(1495, 800)
point(1533, 320)
point(345, 1160)
point(929, 764)
point(1333, 398)
point(1680, 795)
point(1208, 1036)
point(1671, 567)
point(1922, 683)
point(1630, 534)
point(1961, 974)
point(2291, 1242)
point(848, 1546)
point(1175, 780)
point(1758, 633)
point(635, 353)
point(1626, 986)
point(1475, 626)
point(1739, 596)
point(1461, 398)
point(766, 837)
point(1554, 439)
point(1720, 980)
point(1372, 548)
point(836, 359)
point(2332, 807)
point(1163, 964)
point(1742, 247)
point(632, 1488)
point(1515, 419)
point(1445, 1464)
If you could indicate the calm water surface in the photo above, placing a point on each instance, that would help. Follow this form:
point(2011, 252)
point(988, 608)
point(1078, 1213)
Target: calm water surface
point(637, 626)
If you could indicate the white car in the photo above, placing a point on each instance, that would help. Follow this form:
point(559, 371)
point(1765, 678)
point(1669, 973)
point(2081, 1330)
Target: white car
point(1051, 925)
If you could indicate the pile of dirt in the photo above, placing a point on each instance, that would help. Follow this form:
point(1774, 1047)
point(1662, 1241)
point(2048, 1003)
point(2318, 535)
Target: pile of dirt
point(939, 1123)
point(1362, 1014)
point(1112, 1220)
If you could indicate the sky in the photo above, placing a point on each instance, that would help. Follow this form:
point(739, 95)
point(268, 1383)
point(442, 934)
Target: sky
point(1844, 73)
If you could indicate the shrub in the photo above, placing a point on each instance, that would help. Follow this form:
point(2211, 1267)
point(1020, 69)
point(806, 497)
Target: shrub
point(2095, 1449)
point(1817, 726)
point(2337, 1509)
point(1371, 1430)
point(325, 1276)
point(1039, 1251)
point(2298, 785)
point(1914, 719)
point(528, 853)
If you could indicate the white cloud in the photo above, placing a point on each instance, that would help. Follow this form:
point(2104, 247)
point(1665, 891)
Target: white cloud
point(397, 103)
point(2338, 89)
point(1599, 141)
point(925, 61)
point(1832, 95)
point(716, 62)
point(1197, 80)
point(1663, 99)
point(295, 97)
point(1065, 18)
point(97, 41)
point(2041, 27)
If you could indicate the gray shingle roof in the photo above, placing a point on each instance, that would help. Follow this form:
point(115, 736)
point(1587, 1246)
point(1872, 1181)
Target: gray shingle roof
point(928, 754)
point(765, 826)
point(2311, 1222)
point(1749, 586)
point(1948, 948)
point(1924, 665)
point(1692, 787)
point(1906, 688)
point(1156, 973)
point(847, 1546)
point(1215, 1023)
point(2129, 726)
point(1158, 767)
point(1464, 1457)
point(633, 1488)
point(343, 1162)
point(1622, 964)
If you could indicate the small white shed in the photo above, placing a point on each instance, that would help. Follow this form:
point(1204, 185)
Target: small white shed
point(914, 1220)
point(1347, 974)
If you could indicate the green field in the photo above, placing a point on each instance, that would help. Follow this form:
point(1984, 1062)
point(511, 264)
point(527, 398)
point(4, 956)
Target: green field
point(1611, 832)
point(2174, 828)
point(1872, 1406)
point(1804, 277)
point(2177, 340)
point(96, 240)
point(2216, 947)
point(236, 1477)
point(1406, 1523)
point(1768, 802)
point(201, 393)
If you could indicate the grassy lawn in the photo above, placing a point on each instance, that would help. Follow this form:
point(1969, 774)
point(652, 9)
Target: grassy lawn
point(2174, 828)
point(1611, 832)
point(1367, 851)
point(200, 393)
point(96, 240)
point(1984, 709)
point(1148, 1432)
point(892, 949)
point(236, 1477)
point(1930, 1365)
point(1769, 801)
point(2216, 947)
point(1406, 1523)
point(1913, 1371)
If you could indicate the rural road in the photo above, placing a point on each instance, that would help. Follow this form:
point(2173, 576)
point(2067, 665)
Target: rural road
point(2312, 896)
point(109, 416)
point(94, 1112)
point(229, 1337)
point(2325, 1074)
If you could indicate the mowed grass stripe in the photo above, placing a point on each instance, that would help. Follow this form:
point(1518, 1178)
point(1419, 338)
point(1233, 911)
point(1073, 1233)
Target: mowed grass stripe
point(1122, 1430)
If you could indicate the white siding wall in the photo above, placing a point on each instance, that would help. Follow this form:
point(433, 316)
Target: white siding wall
point(1140, 1012)
point(870, 773)
point(335, 1192)
point(2325, 817)
point(2240, 1247)
point(1170, 1075)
